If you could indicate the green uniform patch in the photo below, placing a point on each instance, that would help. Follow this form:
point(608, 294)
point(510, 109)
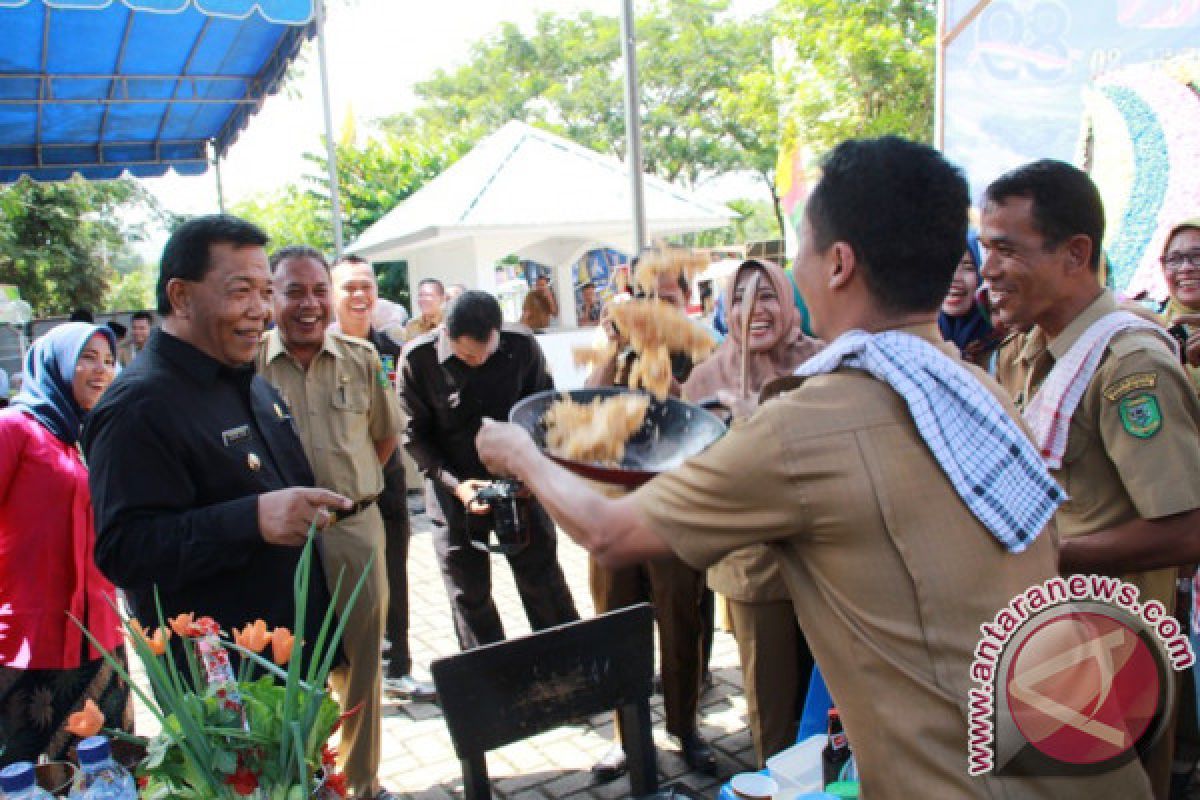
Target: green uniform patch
point(382, 377)
point(1140, 415)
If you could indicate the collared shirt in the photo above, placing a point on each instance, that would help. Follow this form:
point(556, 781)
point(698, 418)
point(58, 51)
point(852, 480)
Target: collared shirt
point(1115, 468)
point(418, 326)
point(343, 404)
point(179, 448)
point(883, 562)
point(446, 400)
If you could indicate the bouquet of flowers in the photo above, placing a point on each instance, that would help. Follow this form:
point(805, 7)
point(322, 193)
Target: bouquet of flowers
point(262, 733)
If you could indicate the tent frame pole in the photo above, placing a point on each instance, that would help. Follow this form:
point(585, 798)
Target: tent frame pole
point(335, 203)
point(633, 125)
point(216, 160)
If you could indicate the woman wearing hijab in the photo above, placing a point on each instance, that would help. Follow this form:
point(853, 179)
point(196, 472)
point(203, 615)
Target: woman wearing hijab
point(964, 318)
point(47, 668)
point(776, 673)
point(1181, 269)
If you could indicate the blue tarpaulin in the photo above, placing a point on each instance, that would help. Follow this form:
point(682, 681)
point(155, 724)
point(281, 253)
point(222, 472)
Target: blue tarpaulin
point(100, 87)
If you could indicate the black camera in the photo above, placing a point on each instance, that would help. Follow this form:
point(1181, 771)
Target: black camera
point(507, 506)
point(1180, 332)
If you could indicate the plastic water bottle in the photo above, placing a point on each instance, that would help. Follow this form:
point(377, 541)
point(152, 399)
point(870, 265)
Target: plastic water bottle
point(101, 778)
point(18, 781)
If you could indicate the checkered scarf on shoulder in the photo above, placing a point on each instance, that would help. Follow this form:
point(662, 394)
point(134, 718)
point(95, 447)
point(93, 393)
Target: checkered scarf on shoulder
point(987, 457)
point(1049, 412)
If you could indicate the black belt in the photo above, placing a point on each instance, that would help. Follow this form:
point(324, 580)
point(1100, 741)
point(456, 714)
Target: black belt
point(357, 508)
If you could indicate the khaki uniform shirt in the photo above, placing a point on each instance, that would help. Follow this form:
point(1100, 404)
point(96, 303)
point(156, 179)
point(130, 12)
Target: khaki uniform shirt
point(343, 403)
point(1133, 448)
point(419, 326)
point(889, 572)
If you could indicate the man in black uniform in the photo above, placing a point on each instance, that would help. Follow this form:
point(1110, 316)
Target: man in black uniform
point(355, 293)
point(452, 379)
point(197, 475)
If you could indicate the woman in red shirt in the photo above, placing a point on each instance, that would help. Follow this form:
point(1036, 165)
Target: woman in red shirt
point(47, 668)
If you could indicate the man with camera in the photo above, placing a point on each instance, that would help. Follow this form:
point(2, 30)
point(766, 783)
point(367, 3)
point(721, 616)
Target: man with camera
point(453, 378)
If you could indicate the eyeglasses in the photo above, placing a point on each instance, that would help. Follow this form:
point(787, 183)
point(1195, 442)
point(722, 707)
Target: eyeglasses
point(1175, 261)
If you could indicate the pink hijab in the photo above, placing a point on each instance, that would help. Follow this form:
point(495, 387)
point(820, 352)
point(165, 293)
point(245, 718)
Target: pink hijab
point(722, 370)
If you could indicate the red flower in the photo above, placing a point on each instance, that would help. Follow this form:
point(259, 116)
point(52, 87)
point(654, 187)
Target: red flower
point(345, 715)
point(336, 783)
point(243, 781)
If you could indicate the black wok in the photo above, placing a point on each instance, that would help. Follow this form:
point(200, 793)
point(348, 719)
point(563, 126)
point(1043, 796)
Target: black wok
point(673, 431)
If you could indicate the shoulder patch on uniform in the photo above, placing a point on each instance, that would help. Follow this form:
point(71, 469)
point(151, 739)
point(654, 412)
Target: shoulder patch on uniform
point(382, 377)
point(1138, 380)
point(1140, 415)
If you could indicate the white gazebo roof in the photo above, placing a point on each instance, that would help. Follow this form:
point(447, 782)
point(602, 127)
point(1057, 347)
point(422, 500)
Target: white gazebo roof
point(522, 185)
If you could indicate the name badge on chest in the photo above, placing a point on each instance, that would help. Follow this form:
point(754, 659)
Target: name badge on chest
point(235, 435)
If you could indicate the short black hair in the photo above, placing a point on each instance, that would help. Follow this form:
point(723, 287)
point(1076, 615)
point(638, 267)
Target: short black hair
point(432, 282)
point(351, 258)
point(475, 314)
point(902, 208)
point(82, 315)
point(186, 255)
point(1065, 202)
point(146, 315)
point(588, 285)
point(297, 251)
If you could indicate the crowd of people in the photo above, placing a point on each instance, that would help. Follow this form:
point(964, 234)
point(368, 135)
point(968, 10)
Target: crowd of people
point(926, 419)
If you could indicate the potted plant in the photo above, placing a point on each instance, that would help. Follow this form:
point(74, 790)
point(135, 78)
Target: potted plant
point(262, 733)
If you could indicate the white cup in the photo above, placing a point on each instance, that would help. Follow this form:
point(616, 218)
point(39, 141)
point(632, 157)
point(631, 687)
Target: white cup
point(754, 786)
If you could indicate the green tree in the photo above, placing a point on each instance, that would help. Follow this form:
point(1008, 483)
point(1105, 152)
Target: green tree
point(134, 290)
point(290, 216)
point(706, 81)
point(856, 69)
point(373, 178)
point(59, 241)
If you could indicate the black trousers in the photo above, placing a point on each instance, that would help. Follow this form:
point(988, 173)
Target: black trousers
point(393, 505)
point(466, 572)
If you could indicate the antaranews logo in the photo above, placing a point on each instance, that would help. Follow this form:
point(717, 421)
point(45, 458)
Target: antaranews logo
point(1073, 676)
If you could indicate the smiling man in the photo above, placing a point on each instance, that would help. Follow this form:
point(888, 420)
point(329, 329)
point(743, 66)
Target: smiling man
point(348, 416)
point(1114, 412)
point(191, 455)
point(846, 472)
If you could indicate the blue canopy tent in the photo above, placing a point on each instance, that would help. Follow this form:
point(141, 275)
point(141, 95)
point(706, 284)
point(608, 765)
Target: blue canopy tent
point(101, 87)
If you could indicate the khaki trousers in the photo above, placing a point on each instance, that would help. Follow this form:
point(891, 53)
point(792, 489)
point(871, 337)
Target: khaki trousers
point(346, 549)
point(776, 668)
point(676, 590)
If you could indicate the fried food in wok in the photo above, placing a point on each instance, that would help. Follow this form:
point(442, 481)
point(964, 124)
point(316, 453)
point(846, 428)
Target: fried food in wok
point(655, 330)
point(594, 432)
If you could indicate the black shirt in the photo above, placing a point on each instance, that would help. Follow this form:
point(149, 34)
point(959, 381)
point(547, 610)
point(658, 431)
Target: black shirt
point(178, 449)
point(446, 400)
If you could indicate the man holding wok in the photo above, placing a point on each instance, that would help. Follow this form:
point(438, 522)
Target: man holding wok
point(845, 470)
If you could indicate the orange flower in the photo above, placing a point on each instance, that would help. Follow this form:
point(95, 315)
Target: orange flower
point(183, 624)
point(158, 642)
point(281, 645)
point(87, 722)
point(253, 637)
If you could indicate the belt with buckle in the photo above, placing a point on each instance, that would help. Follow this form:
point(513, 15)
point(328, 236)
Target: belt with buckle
point(357, 508)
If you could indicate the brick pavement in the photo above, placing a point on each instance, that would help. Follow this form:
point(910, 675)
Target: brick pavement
point(419, 760)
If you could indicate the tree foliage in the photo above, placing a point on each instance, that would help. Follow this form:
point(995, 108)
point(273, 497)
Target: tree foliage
point(706, 81)
point(856, 69)
point(60, 241)
point(373, 178)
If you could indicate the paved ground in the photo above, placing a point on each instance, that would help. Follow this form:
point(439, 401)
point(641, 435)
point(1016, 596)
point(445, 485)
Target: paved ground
point(419, 761)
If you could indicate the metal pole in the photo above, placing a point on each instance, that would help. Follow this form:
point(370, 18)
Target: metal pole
point(939, 78)
point(633, 125)
point(216, 157)
point(335, 203)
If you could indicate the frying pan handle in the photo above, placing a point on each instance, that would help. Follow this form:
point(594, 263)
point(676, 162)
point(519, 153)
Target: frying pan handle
point(711, 403)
